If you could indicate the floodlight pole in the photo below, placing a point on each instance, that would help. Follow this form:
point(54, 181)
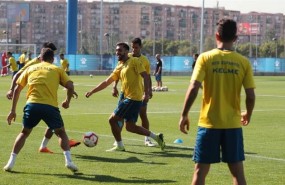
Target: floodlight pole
point(202, 27)
point(101, 35)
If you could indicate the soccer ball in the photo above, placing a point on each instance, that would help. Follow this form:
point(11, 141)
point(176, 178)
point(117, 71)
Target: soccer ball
point(90, 139)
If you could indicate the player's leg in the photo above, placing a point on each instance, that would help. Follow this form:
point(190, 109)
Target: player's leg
point(132, 127)
point(206, 152)
point(237, 172)
point(116, 122)
point(18, 145)
point(121, 121)
point(200, 173)
point(131, 117)
point(31, 118)
point(157, 80)
point(64, 144)
point(145, 123)
point(47, 136)
point(116, 131)
point(54, 121)
point(233, 154)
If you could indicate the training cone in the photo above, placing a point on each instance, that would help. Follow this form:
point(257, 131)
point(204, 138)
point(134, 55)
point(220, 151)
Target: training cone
point(178, 141)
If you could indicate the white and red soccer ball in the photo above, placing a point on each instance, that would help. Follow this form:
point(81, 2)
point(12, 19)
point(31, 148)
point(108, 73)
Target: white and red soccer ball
point(90, 139)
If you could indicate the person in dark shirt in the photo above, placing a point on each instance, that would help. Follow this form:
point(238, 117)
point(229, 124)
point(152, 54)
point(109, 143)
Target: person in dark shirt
point(158, 70)
point(195, 56)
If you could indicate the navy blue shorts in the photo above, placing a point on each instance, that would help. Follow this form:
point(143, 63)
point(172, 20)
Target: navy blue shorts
point(144, 104)
point(121, 98)
point(210, 143)
point(35, 112)
point(158, 77)
point(128, 109)
point(13, 74)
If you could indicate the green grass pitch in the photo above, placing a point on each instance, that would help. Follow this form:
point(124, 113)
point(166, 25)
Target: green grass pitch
point(263, 138)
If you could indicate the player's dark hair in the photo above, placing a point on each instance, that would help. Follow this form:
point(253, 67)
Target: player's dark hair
point(227, 29)
point(196, 55)
point(137, 41)
point(47, 54)
point(9, 53)
point(49, 45)
point(61, 55)
point(124, 45)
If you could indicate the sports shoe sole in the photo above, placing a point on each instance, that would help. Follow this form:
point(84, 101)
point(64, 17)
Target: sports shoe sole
point(116, 149)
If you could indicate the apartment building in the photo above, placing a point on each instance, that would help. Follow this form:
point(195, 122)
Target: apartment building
point(38, 21)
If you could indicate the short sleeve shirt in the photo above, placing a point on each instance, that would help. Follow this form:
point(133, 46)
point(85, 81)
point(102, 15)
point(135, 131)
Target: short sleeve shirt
point(129, 74)
point(43, 80)
point(223, 74)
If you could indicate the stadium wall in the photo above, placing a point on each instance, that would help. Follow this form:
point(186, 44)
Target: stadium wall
point(172, 65)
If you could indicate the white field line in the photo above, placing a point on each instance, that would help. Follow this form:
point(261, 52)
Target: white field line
point(164, 112)
point(172, 145)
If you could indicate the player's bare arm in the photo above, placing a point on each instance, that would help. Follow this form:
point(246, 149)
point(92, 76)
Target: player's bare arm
point(250, 102)
point(115, 91)
point(70, 93)
point(190, 97)
point(12, 115)
point(150, 87)
point(9, 94)
point(100, 87)
point(146, 86)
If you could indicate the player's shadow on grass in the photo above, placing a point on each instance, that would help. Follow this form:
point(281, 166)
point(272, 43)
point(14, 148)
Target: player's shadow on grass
point(102, 178)
point(114, 160)
point(112, 179)
point(169, 151)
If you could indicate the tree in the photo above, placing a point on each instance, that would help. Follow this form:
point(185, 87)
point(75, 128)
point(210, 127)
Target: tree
point(209, 44)
point(267, 49)
point(270, 34)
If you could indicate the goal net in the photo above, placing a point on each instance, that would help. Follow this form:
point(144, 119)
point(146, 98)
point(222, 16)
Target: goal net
point(18, 49)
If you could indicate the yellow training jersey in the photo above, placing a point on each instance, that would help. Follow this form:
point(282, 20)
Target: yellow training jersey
point(65, 65)
point(223, 74)
point(129, 74)
point(144, 61)
point(43, 80)
point(13, 64)
point(27, 60)
point(22, 58)
point(30, 63)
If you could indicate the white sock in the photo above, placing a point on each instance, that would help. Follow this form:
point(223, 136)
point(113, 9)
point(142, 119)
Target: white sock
point(146, 138)
point(67, 156)
point(120, 143)
point(152, 135)
point(44, 142)
point(12, 159)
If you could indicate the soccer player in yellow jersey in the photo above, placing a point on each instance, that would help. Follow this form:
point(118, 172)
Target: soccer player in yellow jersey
point(136, 52)
point(22, 59)
point(29, 58)
point(43, 80)
point(48, 134)
point(64, 64)
point(129, 71)
point(223, 73)
point(12, 64)
point(36, 60)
